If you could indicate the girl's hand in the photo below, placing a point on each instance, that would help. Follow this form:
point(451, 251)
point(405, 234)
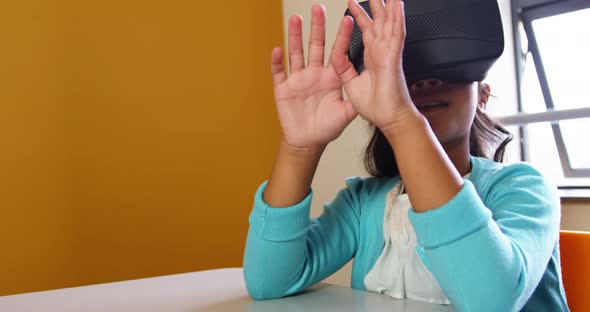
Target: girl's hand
point(310, 106)
point(380, 93)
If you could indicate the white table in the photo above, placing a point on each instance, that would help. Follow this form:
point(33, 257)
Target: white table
point(215, 290)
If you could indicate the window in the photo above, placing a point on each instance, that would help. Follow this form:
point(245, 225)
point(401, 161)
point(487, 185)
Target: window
point(553, 55)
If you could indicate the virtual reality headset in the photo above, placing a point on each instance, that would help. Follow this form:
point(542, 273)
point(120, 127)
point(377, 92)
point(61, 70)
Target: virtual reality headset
point(452, 40)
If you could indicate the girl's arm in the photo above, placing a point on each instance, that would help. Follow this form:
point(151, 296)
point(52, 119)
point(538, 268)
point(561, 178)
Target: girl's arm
point(491, 257)
point(485, 258)
point(381, 96)
point(429, 176)
point(292, 174)
point(285, 251)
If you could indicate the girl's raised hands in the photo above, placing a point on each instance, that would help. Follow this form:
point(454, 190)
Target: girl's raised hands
point(380, 93)
point(310, 103)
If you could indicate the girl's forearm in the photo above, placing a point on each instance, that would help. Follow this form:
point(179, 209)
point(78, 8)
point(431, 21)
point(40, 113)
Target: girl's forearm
point(429, 176)
point(292, 174)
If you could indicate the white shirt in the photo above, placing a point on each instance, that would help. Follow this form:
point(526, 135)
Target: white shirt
point(399, 272)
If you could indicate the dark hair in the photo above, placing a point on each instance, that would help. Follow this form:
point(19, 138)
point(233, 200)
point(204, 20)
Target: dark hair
point(487, 139)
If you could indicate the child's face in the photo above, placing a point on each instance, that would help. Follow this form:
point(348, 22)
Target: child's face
point(451, 119)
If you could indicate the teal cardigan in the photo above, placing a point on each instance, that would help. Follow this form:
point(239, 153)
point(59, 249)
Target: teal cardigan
point(493, 247)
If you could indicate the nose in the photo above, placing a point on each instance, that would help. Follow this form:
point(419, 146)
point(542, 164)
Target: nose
point(425, 85)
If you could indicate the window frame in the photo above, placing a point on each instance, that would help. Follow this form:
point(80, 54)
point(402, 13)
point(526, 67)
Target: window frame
point(524, 12)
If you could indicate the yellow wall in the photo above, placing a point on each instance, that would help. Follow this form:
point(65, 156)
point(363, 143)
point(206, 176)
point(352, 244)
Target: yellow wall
point(133, 135)
point(35, 217)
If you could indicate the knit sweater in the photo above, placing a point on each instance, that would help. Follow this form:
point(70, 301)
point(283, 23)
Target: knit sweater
point(492, 247)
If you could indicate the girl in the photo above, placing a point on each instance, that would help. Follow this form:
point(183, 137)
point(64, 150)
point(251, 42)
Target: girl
point(440, 219)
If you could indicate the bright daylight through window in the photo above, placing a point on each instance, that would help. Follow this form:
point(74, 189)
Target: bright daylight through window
point(555, 80)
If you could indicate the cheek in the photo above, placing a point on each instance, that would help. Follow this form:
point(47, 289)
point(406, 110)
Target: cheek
point(464, 125)
point(466, 104)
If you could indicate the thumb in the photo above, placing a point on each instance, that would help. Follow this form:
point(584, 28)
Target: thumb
point(351, 112)
point(339, 59)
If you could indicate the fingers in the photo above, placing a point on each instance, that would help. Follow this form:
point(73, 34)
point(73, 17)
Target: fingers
point(377, 9)
point(296, 58)
point(395, 24)
point(276, 66)
point(317, 39)
point(339, 59)
point(360, 15)
point(389, 18)
point(343, 37)
point(400, 19)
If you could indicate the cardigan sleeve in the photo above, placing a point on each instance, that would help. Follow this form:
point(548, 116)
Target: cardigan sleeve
point(286, 252)
point(491, 257)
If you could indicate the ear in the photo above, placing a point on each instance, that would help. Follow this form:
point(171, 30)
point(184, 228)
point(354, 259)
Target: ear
point(484, 95)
